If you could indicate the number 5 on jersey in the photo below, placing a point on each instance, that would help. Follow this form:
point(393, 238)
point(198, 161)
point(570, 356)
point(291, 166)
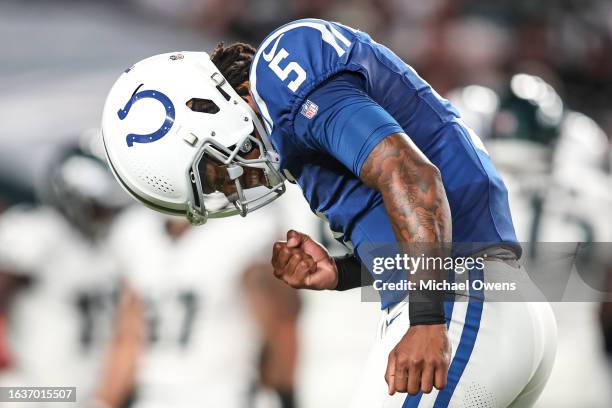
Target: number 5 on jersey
point(283, 73)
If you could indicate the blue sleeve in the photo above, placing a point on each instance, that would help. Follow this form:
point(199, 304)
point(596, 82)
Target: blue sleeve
point(340, 119)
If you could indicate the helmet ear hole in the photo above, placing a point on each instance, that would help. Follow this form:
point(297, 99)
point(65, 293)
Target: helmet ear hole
point(245, 148)
point(202, 105)
point(222, 92)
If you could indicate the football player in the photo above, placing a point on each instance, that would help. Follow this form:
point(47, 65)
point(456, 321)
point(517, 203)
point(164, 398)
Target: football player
point(57, 283)
point(381, 156)
point(195, 341)
point(276, 309)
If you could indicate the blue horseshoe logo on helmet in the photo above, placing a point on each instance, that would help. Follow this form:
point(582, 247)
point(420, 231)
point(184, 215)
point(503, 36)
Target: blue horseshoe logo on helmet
point(165, 127)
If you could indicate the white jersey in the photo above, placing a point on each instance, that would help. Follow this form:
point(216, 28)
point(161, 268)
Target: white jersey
point(60, 323)
point(202, 343)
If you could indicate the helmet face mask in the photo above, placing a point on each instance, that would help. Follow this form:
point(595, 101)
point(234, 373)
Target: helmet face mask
point(180, 140)
point(216, 174)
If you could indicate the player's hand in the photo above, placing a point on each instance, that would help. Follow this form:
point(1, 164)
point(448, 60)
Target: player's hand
point(419, 361)
point(302, 262)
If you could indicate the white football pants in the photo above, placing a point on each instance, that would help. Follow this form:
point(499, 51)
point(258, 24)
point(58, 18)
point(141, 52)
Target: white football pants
point(502, 354)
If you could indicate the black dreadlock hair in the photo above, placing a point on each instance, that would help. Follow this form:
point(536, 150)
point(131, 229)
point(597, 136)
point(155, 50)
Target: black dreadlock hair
point(234, 63)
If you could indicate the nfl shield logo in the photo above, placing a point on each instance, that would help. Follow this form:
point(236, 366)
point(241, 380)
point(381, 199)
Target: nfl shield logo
point(309, 109)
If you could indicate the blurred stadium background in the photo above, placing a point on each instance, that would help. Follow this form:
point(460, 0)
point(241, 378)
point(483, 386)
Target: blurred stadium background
point(534, 78)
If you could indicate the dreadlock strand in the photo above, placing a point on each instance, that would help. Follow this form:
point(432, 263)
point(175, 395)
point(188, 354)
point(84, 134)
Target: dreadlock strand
point(234, 63)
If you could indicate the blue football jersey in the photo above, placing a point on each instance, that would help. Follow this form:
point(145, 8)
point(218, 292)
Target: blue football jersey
point(318, 86)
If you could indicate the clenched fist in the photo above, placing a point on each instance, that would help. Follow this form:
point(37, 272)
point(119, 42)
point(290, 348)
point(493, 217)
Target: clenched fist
point(302, 262)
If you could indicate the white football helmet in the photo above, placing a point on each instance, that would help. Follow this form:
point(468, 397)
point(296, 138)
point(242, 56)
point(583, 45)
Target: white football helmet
point(171, 117)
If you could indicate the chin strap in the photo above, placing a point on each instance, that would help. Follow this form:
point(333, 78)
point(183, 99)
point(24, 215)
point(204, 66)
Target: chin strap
point(194, 217)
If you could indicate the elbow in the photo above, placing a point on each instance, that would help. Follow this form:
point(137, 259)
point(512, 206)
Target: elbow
point(431, 180)
point(439, 206)
point(421, 184)
point(436, 184)
point(433, 174)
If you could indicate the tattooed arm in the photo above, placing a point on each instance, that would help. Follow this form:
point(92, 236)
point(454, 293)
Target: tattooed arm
point(412, 190)
point(416, 203)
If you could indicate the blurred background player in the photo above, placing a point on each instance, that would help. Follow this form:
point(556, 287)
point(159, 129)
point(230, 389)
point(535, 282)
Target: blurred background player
point(10, 193)
point(555, 162)
point(275, 309)
point(59, 286)
point(213, 326)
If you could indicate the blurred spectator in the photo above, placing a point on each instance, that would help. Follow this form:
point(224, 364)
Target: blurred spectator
point(451, 43)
